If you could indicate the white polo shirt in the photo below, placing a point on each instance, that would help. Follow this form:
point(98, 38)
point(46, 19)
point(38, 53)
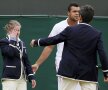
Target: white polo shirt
point(59, 27)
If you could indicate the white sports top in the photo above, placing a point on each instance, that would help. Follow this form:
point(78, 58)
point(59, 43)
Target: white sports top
point(59, 27)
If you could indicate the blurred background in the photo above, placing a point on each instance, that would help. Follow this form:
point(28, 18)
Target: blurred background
point(48, 7)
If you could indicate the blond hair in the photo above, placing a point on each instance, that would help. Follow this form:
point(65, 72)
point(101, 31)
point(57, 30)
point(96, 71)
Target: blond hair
point(11, 24)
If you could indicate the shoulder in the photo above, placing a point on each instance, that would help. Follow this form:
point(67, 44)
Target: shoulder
point(97, 30)
point(4, 40)
point(58, 27)
point(61, 23)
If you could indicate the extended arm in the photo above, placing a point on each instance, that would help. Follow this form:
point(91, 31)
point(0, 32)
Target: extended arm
point(52, 40)
point(43, 57)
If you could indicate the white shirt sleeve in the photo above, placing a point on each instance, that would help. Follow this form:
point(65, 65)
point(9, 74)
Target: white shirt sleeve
point(54, 31)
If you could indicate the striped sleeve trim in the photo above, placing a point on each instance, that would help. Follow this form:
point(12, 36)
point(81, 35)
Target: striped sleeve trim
point(30, 74)
point(105, 70)
point(38, 42)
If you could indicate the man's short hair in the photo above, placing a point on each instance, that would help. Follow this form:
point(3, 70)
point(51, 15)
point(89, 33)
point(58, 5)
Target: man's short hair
point(72, 4)
point(87, 13)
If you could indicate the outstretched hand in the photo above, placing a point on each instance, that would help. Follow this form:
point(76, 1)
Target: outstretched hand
point(32, 42)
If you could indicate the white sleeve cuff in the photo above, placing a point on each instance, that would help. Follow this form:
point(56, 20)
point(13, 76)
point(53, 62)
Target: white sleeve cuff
point(105, 70)
point(38, 42)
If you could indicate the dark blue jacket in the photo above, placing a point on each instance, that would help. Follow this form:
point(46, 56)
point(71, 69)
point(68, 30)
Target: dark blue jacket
point(12, 58)
point(79, 58)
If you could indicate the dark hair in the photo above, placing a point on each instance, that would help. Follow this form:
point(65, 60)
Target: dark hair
point(87, 13)
point(72, 4)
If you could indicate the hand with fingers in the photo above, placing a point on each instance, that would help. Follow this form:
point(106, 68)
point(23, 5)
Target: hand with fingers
point(33, 83)
point(32, 43)
point(35, 67)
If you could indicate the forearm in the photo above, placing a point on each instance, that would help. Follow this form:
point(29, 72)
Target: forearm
point(45, 54)
point(27, 64)
point(49, 41)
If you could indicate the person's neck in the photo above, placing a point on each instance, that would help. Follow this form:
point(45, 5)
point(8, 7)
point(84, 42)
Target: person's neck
point(71, 22)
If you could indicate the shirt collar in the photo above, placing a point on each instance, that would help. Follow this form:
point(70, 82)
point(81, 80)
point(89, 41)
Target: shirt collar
point(85, 24)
